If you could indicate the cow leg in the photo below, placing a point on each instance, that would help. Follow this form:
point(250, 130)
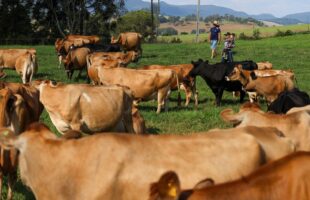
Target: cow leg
point(218, 95)
point(179, 99)
point(242, 95)
point(188, 95)
point(11, 182)
point(166, 100)
point(1, 180)
point(60, 60)
point(162, 99)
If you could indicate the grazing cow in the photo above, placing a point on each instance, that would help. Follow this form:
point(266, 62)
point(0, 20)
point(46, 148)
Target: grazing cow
point(76, 60)
point(289, 99)
point(183, 80)
point(214, 75)
point(22, 60)
point(62, 46)
point(86, 108)
point(129, 41)
point(124, 58)
point(26, 66)
point(293, 125)
point(145, 84)
point(264, 65)
point(270, 86)
point(104, 166)
point(287, 178)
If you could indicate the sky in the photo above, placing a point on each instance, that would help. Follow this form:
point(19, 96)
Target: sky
point(279, 8)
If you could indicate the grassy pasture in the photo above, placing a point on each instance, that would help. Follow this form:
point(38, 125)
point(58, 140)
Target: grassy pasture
point(285, 53)
point(237, 28)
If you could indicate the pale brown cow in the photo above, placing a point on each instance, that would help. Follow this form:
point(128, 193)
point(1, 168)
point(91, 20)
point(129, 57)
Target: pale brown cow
point(270, 87)
point(287, 178)
point(145, 84)
point(124, 58)
point(264, 65)
point(129, 41)
point(185, 82)
point(273, 141)
point(86, 108)
point(293, 125)
point(105, 166)
point(22, 60)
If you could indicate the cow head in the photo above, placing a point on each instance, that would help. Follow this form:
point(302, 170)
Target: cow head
point(235, 74)
point(197, 65)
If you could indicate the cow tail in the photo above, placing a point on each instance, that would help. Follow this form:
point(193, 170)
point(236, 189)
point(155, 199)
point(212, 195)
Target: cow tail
point(228, 115)
point(178, 86)
point(296, 81)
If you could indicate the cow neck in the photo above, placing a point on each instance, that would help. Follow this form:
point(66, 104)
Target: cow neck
point(245, 78)
point(3, 107)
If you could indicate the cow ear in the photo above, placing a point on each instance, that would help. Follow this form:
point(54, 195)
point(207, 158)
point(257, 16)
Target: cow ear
point(253, 75)
point(204, 184)
point(167, 187)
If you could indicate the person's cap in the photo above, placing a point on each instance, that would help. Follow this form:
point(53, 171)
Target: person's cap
point(216, 23)
point(228, 33)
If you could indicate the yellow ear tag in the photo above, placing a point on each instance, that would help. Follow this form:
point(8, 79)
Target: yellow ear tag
point(172, 191)
point(5, 133)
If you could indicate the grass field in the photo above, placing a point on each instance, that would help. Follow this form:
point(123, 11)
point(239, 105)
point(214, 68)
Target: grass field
point(238, 28)
point(285, 53)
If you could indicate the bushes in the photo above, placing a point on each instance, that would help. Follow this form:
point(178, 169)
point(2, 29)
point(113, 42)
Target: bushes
point(200, 31)
point(282, 34)
point(255, 36)
point(167, 31)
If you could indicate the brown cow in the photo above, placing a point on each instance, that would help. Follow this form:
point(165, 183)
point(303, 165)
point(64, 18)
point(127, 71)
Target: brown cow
point(21, 60)
point(273, 141)
point(270, 86)
point(264, 65)
point(62, 46)
point(104, 166)
point(145, 84)
point(125, 58)
point(293, 125)
point(26, 66)
point(76, 60)
point(86, 108)
point(185, 82)
point(287, 178)
point(16, 112)
point(129, 41)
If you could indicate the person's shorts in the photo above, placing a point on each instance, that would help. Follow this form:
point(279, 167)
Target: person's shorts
point(213, 44)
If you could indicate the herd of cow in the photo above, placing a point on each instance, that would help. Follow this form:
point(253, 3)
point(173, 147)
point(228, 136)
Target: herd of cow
point(265, 155)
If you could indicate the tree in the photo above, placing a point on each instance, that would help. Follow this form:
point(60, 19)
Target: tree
point(136, 21)
point(71, 16)
point(14, 19)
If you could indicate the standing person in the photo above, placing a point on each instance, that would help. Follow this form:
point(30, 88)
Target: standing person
point(214, 38)
point(227, 55)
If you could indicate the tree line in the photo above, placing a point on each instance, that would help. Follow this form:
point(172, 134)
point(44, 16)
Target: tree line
point(49, 19)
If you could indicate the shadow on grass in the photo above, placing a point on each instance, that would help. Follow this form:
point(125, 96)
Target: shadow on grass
point(42, 75)
point(20, 188)
point(149, 56)
point(153, 130)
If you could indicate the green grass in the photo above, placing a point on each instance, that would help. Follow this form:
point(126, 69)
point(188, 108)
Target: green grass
point(285, 53)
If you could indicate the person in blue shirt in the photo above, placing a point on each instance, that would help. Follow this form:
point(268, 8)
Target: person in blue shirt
point(214, 38)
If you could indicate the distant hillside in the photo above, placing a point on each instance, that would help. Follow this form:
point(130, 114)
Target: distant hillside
point(208, 10)
point(303, 17)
